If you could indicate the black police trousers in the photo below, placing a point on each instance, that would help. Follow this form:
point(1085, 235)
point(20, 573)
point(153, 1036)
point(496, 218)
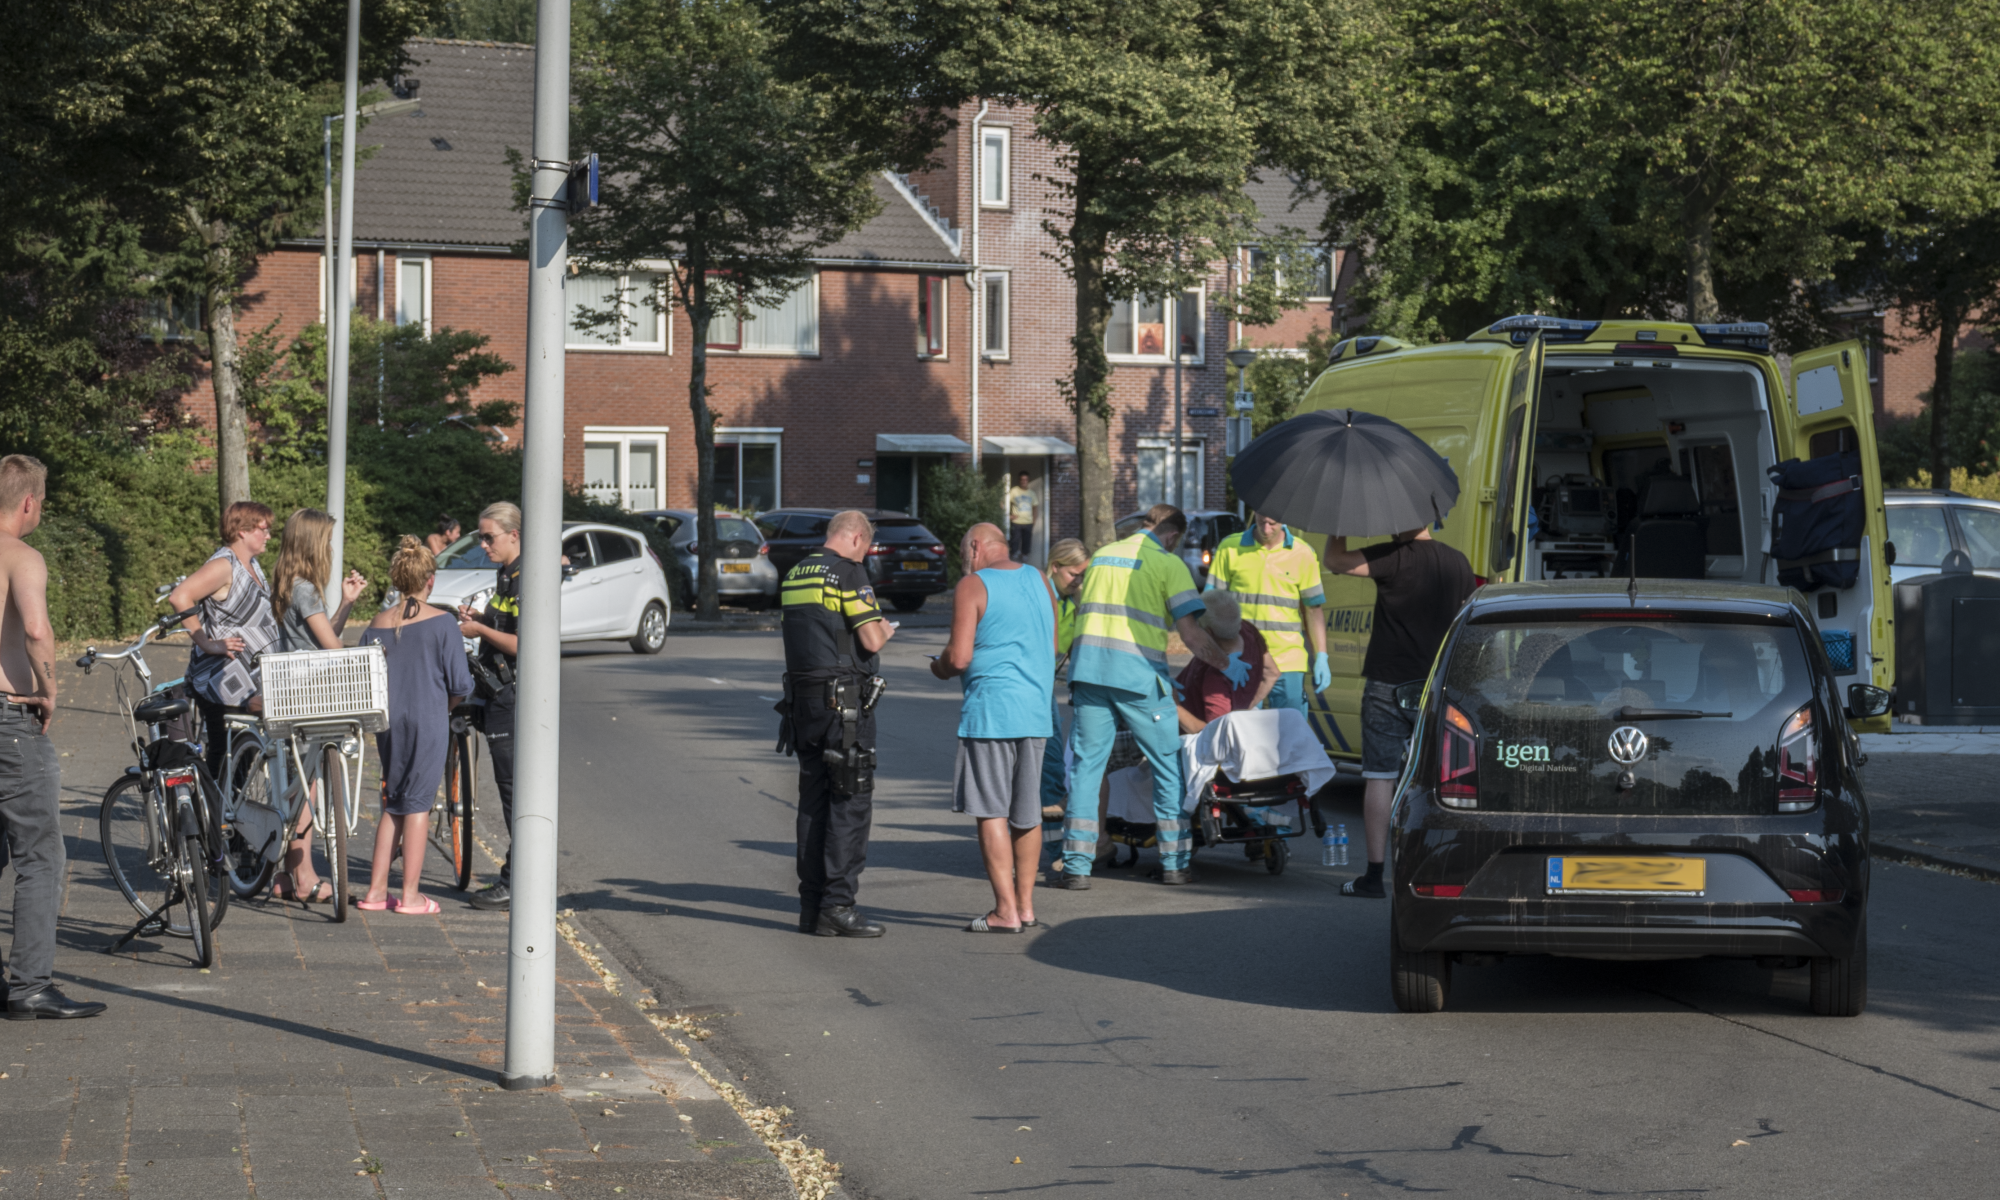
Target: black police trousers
point(832, 829)
point(498, 723)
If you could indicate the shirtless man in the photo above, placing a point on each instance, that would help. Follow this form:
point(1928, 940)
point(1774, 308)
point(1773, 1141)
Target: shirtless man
point(30, 779)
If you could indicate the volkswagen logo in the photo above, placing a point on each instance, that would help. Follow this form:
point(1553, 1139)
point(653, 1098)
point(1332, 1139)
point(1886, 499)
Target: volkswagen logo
point(1628, 745)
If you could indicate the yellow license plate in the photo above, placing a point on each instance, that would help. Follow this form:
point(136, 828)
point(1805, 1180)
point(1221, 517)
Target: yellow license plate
point(918, 565)
point(1627, 876)
point(735, 568)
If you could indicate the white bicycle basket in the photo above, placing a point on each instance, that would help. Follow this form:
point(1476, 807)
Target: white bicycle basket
point(313, 687)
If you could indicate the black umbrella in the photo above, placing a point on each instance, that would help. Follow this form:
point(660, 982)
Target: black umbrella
point(1346, 473)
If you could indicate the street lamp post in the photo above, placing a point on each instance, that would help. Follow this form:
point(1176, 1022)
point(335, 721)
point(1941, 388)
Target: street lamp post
point(385, 108)
point(1238, 430)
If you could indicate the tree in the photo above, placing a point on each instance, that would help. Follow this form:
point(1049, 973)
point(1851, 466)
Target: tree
point(1160, 112)
point(715, 163)
point(1600, 160)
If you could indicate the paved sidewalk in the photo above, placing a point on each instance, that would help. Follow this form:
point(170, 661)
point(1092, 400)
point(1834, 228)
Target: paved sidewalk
point(322, 1060)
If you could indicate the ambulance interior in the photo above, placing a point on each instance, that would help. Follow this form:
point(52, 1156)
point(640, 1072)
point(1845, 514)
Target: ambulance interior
point(1667, 461)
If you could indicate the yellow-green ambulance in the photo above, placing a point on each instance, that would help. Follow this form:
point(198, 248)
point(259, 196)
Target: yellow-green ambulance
point(1556, 426)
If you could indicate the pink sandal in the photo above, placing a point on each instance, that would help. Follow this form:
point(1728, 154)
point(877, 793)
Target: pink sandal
point(427, 909)
point(373, 905)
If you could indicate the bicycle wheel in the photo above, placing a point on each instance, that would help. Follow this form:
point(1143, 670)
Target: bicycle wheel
point(135, 848)
point(207, 805)
point(333, 793)
point(461, 783)
point(350, 796)
point(194, 899)
point(244, 866)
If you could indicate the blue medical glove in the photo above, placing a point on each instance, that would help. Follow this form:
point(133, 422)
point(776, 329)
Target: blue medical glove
point(1322, 672)
point(1237, 672)
point(1180, 690)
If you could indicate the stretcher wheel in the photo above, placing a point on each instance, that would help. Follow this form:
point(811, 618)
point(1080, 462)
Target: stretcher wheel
point(1277, 852)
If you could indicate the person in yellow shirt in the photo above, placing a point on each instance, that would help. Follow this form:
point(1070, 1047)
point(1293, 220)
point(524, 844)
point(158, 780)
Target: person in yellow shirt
point(1275, 580)
point(1021, 506)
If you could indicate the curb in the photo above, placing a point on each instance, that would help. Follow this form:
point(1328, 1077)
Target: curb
point(1948, 860)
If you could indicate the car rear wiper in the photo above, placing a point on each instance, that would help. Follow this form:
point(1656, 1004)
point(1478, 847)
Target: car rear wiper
point(1629, 713)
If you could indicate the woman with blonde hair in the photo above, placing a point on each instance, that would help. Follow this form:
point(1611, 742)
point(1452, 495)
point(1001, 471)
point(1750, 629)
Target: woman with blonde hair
point(428, 676)
point(305, 557)
point(1067, 559)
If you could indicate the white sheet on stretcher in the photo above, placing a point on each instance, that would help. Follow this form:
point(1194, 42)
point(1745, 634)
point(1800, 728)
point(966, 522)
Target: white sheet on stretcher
point(1261, 744)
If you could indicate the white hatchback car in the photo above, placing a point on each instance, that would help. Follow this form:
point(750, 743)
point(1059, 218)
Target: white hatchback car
point(613, 587)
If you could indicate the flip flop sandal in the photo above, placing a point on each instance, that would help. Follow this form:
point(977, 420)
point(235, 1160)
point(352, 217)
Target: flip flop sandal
point(982, 926)
point(428, 909)
point(314, 896)
point(372, 905)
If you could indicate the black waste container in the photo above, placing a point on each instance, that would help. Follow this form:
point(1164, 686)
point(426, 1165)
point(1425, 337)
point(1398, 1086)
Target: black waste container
point(1948, 647)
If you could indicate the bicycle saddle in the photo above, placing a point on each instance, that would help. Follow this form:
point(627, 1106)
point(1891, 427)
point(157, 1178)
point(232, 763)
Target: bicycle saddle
point(155, 709)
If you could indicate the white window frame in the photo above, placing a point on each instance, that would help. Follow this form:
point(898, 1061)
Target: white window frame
point(1189, 444)
point(1005, 137)
point(938, 287)
point(1006, 282)
point(626, 344)
point(739, 351)
point(623, 436)
point(1329, 257)
point(760, 435)
point(423, 262)
point(1173, 309)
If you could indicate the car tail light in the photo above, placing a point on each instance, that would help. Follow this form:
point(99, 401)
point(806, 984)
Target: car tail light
point(763, 547)
point(1440, 891)
point(877, 550)
point(1479, 581)
point(937, 547)
point(1798, 763)
point(1815, 895)
point(1458, 761)
point(1206, 557)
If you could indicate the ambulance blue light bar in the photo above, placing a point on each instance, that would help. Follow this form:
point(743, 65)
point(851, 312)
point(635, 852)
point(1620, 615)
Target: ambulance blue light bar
point(1553, 329)
point(1743, 335)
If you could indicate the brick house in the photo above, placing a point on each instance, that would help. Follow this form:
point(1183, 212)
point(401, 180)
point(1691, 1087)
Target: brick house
point(936, 332)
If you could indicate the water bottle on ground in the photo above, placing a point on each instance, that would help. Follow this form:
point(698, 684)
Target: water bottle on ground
point(1329, 851)
point(1340, 846)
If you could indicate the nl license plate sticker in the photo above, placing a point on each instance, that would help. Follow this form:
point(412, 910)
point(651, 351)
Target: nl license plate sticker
point(735, 568)
point(1627, 876)
point(915, 565)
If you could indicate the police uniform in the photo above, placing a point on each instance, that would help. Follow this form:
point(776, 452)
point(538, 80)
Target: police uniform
point(503, 615)
point(1133, 593)
point(826, 600)
point(1274, 585)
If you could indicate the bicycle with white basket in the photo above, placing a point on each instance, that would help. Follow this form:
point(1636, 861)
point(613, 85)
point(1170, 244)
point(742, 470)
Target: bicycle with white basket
point(307, 747)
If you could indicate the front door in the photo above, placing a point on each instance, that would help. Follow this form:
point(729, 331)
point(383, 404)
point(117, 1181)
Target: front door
point(1514, 486)
point(1831, 410)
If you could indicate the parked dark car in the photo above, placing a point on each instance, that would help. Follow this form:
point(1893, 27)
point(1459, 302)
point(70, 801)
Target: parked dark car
point(1595, 776)
point(1206, 529)
point(906, 563)
point(743, 570)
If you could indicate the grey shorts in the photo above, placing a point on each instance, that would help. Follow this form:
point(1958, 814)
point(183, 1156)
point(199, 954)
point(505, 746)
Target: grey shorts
point(1385, 732)
point(1000, 777)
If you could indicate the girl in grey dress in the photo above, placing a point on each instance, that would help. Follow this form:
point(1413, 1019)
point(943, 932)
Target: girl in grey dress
point(427, 677)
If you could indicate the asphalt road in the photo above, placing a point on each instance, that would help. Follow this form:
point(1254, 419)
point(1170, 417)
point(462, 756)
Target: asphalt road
point(1234, 1038)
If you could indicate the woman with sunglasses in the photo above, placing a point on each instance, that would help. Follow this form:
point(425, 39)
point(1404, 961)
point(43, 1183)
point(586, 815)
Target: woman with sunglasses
point(498, 629)
point(232, 603)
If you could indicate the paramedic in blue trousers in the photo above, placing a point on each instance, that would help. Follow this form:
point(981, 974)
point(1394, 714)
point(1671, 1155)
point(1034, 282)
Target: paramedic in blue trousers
point(1134, 592)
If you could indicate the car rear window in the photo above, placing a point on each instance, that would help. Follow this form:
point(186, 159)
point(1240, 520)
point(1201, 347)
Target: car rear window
point(1544, 697)
point(465, 554)
point(736, 529)
point(899, 530)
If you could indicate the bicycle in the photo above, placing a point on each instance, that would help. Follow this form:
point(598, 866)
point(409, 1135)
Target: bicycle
point(160, 825)
point(263, 770)
point(451, 814)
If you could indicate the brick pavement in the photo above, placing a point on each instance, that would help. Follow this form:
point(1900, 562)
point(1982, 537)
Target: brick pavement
point(323, 1060)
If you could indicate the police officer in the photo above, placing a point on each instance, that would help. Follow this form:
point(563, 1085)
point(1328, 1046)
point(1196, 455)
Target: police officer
point(1276, 583)
point(833, 630)
point(498, 629)
point(1133, 592)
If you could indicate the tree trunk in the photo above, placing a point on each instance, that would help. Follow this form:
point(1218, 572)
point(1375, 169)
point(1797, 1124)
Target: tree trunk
point(707, 604)
point(232, 425)
point(1699, 228)
point(1090, 385)
point(1949, 320)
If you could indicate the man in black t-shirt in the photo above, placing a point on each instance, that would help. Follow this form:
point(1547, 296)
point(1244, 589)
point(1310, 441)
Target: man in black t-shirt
point(498, 629)
point(833, 633)
point(1420, 584)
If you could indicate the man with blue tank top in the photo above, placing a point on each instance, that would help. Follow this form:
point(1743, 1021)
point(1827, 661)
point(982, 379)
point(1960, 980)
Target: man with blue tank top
point(1003, 642)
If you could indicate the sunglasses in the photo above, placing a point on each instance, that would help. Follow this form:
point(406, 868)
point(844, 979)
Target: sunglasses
point(487, 539)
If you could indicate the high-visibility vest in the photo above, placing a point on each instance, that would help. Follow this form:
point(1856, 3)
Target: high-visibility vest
point(1273, 585)
point(1133, 593)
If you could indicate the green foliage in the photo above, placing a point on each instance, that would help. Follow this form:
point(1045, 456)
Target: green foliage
point(1973, 426)
point(514, 21)
point(954, 499)
point(1596, 160)
point(80, 592)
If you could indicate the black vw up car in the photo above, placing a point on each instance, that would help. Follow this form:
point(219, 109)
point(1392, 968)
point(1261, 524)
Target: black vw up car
point(1599, 773)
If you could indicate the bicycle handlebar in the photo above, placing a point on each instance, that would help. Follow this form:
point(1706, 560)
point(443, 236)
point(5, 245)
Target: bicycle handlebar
point(164, 627)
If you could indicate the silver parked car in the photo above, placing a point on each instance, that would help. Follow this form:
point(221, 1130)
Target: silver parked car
point(613, 585)
point(744, 573)
point(1926, 525)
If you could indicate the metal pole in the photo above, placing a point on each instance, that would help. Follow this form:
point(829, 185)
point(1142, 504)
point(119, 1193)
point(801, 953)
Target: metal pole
point(326, 229)
point(531, 932)
point(342, 315)
point(1179, 501)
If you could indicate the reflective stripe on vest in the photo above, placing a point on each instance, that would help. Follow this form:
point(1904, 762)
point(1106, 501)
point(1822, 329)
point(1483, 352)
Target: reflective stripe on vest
point(1130, 593)
point(1271, 584)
